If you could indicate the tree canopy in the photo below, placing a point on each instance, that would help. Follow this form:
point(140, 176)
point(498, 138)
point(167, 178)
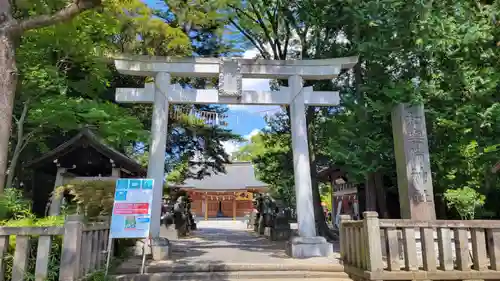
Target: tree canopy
point(444, 55)
point(67, 81)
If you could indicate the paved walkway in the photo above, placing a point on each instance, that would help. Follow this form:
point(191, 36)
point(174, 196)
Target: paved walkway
point(227, 242)
point(230, 241)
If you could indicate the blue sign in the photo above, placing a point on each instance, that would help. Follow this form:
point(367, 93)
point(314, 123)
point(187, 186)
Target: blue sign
point(131, 216)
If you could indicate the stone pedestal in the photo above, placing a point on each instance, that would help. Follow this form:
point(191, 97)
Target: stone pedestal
point(277, 234)
point(306, 247)
point(169, 232)
point(162, 250)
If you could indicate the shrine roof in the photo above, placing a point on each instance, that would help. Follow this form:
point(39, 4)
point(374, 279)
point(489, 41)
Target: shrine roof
point(325, 173)
point(238, 176)
point(88, 138)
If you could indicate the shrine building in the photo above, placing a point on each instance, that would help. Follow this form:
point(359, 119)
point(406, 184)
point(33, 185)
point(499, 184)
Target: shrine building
point(344, 194)
point(86, 157)
point(226, 195)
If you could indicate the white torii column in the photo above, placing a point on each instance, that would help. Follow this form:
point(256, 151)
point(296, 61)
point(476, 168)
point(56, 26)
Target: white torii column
point(156, 161)
point(300, 151)
point(307, 244)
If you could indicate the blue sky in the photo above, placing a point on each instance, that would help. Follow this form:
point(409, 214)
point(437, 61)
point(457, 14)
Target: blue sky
point(245, 120)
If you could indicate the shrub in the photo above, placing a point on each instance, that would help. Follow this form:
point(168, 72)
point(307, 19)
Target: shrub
point(465, 201)
point(93, 198)
point(55, 253)
point(13, 205)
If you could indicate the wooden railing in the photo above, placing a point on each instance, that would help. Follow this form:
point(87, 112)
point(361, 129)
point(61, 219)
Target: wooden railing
point(83, 249)
point(373, 249)
point(94, 247)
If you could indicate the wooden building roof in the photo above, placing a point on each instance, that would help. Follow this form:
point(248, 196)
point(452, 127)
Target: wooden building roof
point(325, 174)
point(238, 176)
point(84, 139)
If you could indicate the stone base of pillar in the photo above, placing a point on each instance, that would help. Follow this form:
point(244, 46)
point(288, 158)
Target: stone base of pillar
point(162, 249)
point(308, 247)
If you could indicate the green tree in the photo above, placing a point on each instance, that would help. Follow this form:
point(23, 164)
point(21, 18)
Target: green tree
point(465, 201)
point(440, 54)
point(62, 79)
point(202, 23)
point(66, 82)
point(16, 19)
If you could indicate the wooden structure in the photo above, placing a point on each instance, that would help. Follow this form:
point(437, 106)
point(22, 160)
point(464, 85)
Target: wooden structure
point(84, 157)
point(83, 249)
point(344, 194)
point(224, 195)
point(394, 249)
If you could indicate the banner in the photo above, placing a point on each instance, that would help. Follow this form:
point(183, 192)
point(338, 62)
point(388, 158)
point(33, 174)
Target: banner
point(131, 216)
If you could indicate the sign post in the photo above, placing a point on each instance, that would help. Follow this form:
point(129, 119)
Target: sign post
point(131, 217)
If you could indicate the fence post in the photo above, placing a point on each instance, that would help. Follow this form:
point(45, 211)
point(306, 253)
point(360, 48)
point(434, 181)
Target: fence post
point(71, 248)
point(343, 237)
point(374, 247)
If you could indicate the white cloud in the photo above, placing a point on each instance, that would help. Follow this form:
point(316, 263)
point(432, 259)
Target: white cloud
point(251, 134)
point(232, 146)
point(251, 54)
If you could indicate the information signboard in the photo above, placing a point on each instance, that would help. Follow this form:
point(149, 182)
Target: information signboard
point(131, 216)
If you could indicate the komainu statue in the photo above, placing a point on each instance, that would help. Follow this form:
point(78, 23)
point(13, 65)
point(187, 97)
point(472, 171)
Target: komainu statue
point(266, 213)
point(279, 229)
point(181, 216)
point(176, 210)
point(190, 218)
point(255, 216)
point(167, 212)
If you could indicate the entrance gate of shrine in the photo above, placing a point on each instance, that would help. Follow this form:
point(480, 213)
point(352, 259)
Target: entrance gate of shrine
point(231, 71)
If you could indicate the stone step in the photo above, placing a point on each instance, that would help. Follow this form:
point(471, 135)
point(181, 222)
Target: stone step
point(173, 267)
point(235, 275)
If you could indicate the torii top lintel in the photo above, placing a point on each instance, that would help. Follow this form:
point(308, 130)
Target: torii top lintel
point(318, 69)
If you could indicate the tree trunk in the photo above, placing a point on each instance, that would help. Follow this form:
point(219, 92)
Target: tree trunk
point(378, 182)
point(8, 83)
point(19, 146)
point(370, 193)
point(319, 215)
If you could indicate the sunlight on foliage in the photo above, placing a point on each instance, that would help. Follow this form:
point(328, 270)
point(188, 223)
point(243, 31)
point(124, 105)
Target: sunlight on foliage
point(465, 201)
point(92, 198)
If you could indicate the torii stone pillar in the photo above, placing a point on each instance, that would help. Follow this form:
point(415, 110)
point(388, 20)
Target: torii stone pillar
point(230, 73)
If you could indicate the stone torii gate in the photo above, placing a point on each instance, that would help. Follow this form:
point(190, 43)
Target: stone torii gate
point(231, 71)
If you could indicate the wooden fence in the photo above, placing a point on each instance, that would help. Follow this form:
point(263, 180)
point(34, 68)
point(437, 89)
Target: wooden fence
point(83, 249)
point(385, 249)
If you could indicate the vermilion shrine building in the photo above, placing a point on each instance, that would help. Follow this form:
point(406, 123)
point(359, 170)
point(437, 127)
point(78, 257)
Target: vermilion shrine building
point(227, 195)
